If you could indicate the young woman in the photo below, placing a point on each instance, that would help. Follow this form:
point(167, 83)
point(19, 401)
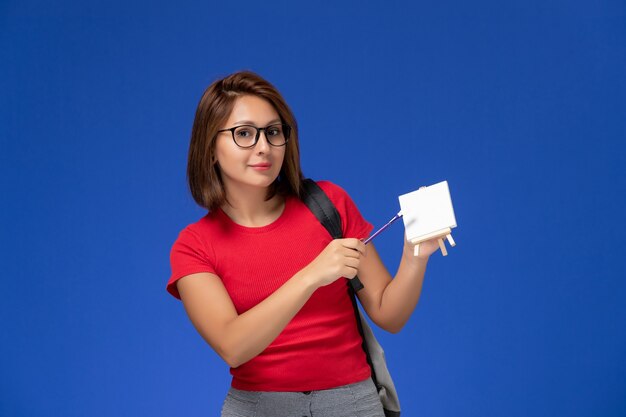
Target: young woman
point(262, 280)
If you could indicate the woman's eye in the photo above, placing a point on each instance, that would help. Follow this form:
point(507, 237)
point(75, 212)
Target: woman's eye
point(243, 133)
point(273, 131)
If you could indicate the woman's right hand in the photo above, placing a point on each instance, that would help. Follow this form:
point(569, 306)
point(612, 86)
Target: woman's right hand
point(340, 258)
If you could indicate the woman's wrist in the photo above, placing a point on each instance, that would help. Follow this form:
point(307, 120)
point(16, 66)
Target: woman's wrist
point(408, 256)
point(306, 280)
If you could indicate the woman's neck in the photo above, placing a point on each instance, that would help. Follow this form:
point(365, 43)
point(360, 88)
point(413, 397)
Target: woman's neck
point(249, 208)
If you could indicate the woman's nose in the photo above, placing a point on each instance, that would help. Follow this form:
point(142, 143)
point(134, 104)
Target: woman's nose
point(262, 144)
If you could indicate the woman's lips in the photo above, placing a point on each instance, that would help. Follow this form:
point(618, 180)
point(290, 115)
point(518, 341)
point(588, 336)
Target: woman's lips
point(261, 167)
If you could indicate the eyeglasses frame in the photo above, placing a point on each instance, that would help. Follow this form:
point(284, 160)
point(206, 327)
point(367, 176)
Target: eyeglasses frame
point(286, 132)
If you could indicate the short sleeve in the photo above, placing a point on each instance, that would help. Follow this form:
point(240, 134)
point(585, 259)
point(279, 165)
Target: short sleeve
point(189, 255)
point(352, 222)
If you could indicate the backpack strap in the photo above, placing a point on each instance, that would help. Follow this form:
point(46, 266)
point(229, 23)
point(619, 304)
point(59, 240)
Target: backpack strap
point(318, 202)
point(324, 210)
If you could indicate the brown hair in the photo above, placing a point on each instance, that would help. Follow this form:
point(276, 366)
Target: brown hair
point(214, 108)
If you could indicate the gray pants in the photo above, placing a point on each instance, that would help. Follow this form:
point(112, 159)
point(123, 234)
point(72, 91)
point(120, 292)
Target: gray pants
point(354, 400)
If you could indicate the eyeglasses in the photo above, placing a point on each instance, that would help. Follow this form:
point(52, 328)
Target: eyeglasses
point(246, 136)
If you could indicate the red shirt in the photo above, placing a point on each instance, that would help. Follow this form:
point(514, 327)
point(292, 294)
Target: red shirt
point(320, 348)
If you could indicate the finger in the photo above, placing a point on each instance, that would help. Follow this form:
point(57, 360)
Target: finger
point(354, 244)
point(350, 242)
point(351, 253)
point(350, 272)
point(360, 246)
point(352, 263)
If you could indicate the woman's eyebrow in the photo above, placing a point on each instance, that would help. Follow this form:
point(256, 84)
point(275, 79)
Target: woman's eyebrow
point(248, 122)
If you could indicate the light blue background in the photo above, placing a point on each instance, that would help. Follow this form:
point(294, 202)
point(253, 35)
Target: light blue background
point(521, 106)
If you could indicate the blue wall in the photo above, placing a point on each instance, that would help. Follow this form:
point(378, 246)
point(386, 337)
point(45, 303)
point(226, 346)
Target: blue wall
point(520, 106)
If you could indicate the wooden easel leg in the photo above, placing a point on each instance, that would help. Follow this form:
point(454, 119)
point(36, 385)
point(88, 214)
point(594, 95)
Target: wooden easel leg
point(452, 243)
point(442, 246)
point(416, 251)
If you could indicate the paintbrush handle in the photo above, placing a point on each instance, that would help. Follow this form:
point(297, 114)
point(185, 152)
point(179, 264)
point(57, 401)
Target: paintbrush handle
point(396, 217)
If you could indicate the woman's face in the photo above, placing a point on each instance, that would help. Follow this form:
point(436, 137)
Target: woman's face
point(259, 165)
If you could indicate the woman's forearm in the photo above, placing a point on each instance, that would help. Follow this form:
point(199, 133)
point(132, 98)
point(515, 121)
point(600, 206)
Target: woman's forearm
point(401, 295)
point(250, 333)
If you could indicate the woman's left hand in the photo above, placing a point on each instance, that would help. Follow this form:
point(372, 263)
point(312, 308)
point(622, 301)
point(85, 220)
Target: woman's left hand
point(426, 249)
